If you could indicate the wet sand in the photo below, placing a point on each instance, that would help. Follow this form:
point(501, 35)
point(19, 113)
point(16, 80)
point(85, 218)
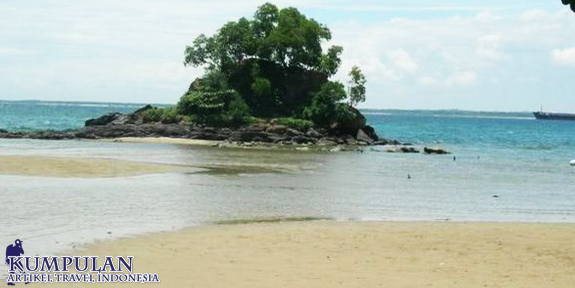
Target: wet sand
point(223, 144)
point(354, 254)
point(164, 140)
point(64, 167)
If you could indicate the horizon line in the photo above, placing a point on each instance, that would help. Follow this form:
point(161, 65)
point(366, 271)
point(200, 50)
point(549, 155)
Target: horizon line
point(365, 109)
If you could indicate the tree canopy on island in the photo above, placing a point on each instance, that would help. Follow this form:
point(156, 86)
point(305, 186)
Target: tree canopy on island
point(569, 2)
point(272, 65)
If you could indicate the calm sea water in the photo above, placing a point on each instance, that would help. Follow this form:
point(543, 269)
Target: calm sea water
point(524, 162)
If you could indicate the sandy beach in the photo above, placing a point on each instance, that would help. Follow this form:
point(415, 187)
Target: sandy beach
point(354, 254)
point(66, 167)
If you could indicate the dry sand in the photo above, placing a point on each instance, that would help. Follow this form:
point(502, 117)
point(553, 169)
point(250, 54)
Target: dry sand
point(76, 167)
point(372, 254)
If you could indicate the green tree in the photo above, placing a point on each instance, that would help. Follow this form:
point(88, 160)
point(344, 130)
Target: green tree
point(330, 62)
point(275, 64)
point(324, 107)
point(285, 37)
point(569, 2)
point(356, 86)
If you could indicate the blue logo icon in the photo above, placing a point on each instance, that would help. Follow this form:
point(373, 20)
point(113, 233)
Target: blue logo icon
point(15, 250)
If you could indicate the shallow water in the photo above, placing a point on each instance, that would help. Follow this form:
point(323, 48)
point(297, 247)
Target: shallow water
point(508, 167)
point(52, 214)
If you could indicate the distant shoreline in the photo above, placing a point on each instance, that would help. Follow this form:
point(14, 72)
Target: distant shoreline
point(366, 110)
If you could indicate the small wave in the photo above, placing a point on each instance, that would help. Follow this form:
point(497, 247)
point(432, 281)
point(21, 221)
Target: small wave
point(377, 113)
point(541, 147)
point(102, 105)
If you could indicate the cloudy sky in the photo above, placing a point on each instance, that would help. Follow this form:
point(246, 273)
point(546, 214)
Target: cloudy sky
point(504, 55)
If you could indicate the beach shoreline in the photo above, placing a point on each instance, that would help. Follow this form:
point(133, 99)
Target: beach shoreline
point(353, 254)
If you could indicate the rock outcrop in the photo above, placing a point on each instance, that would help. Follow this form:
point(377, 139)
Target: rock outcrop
point(135, 118)
point(117, 125)
point(437, 151)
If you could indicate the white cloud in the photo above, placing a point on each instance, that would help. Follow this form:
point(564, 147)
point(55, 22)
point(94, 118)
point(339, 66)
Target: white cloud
point(7, 51)
point(403, 62)
point(489, 47)
point(534, 16)
point(563, 56)
point(76, 48)
point(461, 78)
point(453, 80)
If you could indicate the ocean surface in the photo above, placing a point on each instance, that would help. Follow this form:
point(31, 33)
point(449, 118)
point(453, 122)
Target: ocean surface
point(508, 167)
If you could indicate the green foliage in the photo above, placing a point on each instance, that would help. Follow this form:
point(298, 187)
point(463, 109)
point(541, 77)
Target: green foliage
point(323, 109)
point(170, 115)
point(250, 120)
point(204, 103)
point(189, 119)
point(284, 36)
point(152, 115)
point(167, 115)
point(237, 112)
point(343, 113)
point(262, 87)
point(219, 108)
point(274, 60)
point(271, 65)
point(569, 2)
point(356, 86)
point(297, 124)
point(330, 62)
point(214, 80)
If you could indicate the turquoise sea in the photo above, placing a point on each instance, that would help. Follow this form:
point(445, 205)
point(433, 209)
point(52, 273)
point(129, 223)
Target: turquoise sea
point(508, 167)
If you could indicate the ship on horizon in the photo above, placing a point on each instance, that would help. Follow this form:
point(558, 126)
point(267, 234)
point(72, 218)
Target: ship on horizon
point(540, 115)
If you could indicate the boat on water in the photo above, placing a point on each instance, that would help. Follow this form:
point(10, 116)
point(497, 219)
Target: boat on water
point(554, 116)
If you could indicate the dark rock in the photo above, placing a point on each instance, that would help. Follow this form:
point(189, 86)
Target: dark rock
point(326, 142)
point(117, 125)
point(119, 119)
point(249, 136)
point(321, 131)
point(383, 141)
point(147, 107)
point(302, 140)
point(370, 131)
point(277, 129)
point(352, 142)
point(351, 126)
point(409, 150)
point(293, 132)
point(280, 138)
point(103, 120)
point(437, 151)
point(363, 137)
point(84, 135)
point(313, 133)
point(208, 130)
point(256, 128)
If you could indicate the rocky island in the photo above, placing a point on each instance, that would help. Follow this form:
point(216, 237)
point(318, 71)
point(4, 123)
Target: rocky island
point(117, 125)
point(266, 81)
